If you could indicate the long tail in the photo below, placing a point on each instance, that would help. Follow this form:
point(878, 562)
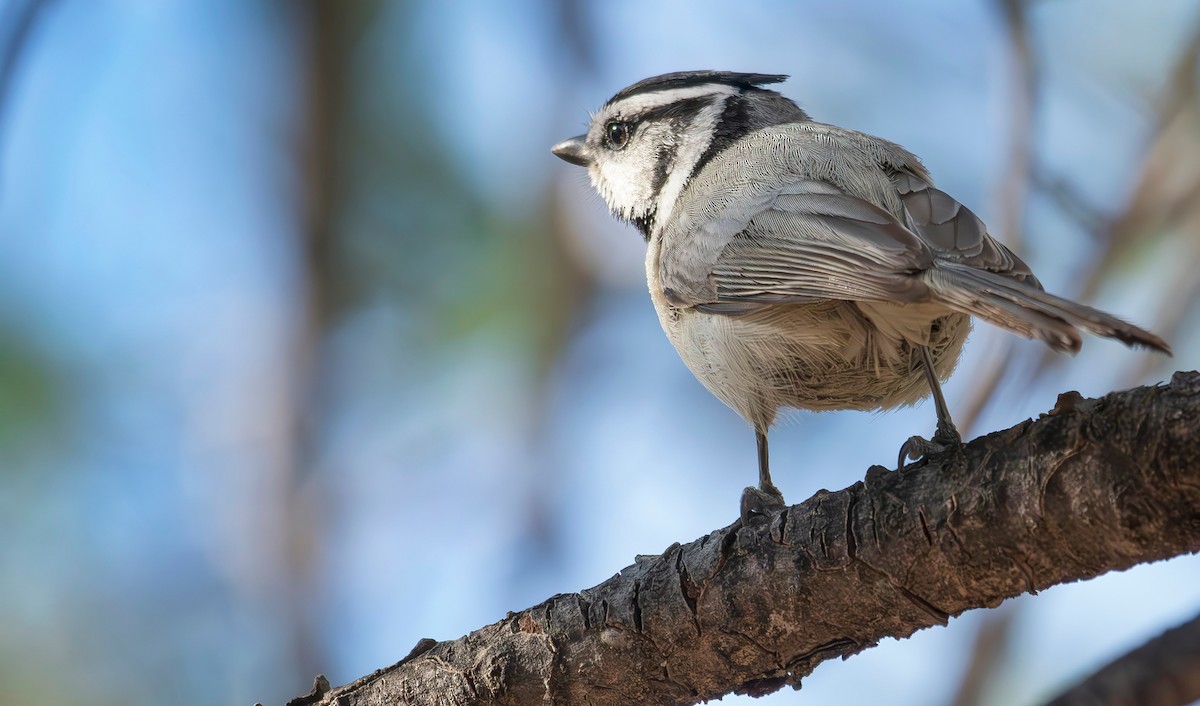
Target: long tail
point(1027, 310)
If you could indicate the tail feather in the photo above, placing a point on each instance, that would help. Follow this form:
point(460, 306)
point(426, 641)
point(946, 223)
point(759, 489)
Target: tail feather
point(1029, 311)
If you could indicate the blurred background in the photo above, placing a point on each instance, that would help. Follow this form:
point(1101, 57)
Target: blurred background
point(309, 348)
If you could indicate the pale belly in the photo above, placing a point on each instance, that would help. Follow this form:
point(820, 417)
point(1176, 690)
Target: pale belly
point(816, 356)
point(825, 355)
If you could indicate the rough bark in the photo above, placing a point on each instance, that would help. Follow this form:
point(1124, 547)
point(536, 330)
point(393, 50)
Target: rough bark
point(1093, 486)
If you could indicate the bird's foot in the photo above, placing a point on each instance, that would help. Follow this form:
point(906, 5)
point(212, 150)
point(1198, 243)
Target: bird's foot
point(918, 447)
point(761, 501)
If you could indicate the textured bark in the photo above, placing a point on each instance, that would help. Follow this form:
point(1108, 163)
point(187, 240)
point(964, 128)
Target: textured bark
point(1094, 486)
point(1163, 672)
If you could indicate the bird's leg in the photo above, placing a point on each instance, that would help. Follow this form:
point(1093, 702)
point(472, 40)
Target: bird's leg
point(766, 498)
point(764, 464)
point(947, 435)
point(946, 432)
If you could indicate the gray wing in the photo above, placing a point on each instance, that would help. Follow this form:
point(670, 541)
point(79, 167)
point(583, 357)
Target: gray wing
point(812, 242)
point(952, 232)
point(818, 245)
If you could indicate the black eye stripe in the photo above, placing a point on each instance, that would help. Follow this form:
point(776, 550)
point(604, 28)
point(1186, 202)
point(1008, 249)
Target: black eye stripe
point(682, 110)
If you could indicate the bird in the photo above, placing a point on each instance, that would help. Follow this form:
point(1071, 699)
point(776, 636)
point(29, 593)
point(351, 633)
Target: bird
point(797, 264)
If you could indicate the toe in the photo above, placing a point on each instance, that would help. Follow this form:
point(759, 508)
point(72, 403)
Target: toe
point(916, 448)
point(760, 502)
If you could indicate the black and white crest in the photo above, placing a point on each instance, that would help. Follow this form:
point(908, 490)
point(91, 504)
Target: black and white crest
point(684, 79)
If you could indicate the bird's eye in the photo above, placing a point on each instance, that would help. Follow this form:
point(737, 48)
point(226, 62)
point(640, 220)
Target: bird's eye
point(617, 134)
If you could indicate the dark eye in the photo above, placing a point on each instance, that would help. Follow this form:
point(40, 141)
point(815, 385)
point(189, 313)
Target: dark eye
point(617, 134)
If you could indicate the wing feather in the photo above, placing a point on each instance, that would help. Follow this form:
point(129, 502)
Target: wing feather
point(822, 246)
point(953, 232)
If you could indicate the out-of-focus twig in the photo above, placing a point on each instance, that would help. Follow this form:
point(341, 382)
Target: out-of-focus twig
point(1015, 185)
point(1163, 672)
point(1161, 187)
point(565, 284)
point(1171, 316)
point(1066, 196)
point(987, 654)
point(1162, 204)
point(327, 26)
point(21, 23)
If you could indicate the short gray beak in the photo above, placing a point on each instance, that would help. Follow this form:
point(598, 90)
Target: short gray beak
point(573, 150)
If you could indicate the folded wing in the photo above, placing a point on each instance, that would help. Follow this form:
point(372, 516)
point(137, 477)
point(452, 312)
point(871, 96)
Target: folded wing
point(810, 241)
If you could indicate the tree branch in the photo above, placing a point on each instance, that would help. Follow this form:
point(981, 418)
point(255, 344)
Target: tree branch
point(1163, 672)
point(1093, 486)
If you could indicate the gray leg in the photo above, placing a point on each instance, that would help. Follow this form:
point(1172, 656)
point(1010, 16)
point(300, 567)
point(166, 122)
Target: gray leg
point(947, 434)
point(766, 498)
point(764, 464)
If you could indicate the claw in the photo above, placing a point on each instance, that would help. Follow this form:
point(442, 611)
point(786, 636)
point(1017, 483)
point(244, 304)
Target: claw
point(946, 436)
point(917, 447)
point(761, 502)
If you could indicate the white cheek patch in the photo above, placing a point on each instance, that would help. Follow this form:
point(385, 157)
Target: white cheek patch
point(625, 181)
point(619, 185)
point(625, 178)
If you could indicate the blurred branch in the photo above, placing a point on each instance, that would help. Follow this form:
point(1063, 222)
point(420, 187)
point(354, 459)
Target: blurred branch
point(1067, 197)
point(1162, 204)
point(1171, 315)
point(317, 310)
point(987, 654)
point(1014, 186)
point(1094, 486)
point(575, 33)
point(325, 72)
point(1163, 672)
point(559, 292)
point(20, 26)
point(1159, 194)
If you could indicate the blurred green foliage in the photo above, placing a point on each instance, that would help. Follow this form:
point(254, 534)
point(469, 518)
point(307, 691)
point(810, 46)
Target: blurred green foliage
point(31, 399)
